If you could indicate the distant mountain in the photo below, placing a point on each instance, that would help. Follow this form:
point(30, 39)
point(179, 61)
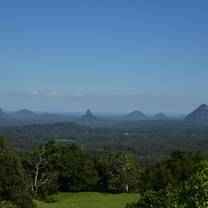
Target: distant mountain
point(27, 117)
point(24, 114)
point(160, 116)
point(5, 118)
point(135, 116)
point(3, 115)
point(89, 116)
point(200, 114)
point(90, 119)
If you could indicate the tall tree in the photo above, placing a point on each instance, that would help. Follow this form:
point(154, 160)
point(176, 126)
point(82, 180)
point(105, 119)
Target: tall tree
point(41, 168)
point(13, 183)
point(78, 171)
point(118, 172)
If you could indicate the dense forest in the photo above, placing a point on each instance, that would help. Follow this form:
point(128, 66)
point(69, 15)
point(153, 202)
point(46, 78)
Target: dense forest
point(156, 139)
point(178, 181)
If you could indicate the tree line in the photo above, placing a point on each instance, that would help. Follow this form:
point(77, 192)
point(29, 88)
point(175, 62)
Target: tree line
point(180, 181)
point(55, 167)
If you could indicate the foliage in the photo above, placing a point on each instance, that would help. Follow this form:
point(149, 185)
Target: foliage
point(54, 167)
point(173, 171)
point(13, 186)
point(118, 172)
point(77, 170)
point(41, 168)
point(153, 199)
point(194, 192)
point(178, 182)
point(145, 138)
point(6, 204)
point(2, 142)
point(189, 191)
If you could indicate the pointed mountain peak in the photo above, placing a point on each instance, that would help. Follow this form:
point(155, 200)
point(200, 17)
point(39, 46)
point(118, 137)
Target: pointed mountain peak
point(2, 112)
point(89, 115)
point(203, 107)
point(89, 112)
point(89, 119)
point(201, 113)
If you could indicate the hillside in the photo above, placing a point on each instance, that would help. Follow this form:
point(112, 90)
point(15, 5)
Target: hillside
point(24, 114)
point(90, 119)
point(200, 114)
point(135, 116)
point(147, 138)
point(28, 117)
point(160, 116)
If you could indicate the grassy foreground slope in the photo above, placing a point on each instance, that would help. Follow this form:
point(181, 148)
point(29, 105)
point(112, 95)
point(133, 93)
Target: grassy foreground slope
point(90, 200)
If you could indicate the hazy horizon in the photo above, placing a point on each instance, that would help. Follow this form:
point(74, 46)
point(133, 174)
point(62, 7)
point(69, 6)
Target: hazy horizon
point(109, 56)
point(118, 104)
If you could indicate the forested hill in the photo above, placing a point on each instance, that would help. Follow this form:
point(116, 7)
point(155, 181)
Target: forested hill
point(144, 138)
point(138, 130)
point(38, 132)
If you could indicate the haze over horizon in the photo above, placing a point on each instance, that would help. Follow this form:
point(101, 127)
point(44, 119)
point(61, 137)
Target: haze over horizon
point(109, 56)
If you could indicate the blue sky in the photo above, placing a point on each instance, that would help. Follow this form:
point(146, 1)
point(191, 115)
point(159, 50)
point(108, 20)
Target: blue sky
point(110, 55)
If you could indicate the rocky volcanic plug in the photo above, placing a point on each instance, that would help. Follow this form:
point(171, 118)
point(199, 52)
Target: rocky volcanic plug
point(200, 114)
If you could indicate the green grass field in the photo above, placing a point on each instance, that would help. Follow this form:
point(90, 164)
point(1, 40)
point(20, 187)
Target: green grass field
point(89, 200)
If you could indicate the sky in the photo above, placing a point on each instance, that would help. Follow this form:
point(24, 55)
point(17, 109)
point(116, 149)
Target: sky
point(110, 55)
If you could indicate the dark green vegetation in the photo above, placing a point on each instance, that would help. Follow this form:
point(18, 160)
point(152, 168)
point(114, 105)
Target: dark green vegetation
point(143, 138)
point(69, 168)
point(54, 167)
point(179, 181)
point(14, 187)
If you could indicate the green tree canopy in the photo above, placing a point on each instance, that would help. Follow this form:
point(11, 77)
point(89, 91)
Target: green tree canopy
point(13, 183)
point(118, 172)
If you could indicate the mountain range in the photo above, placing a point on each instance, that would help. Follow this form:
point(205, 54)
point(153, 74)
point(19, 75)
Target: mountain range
point(26, 116)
